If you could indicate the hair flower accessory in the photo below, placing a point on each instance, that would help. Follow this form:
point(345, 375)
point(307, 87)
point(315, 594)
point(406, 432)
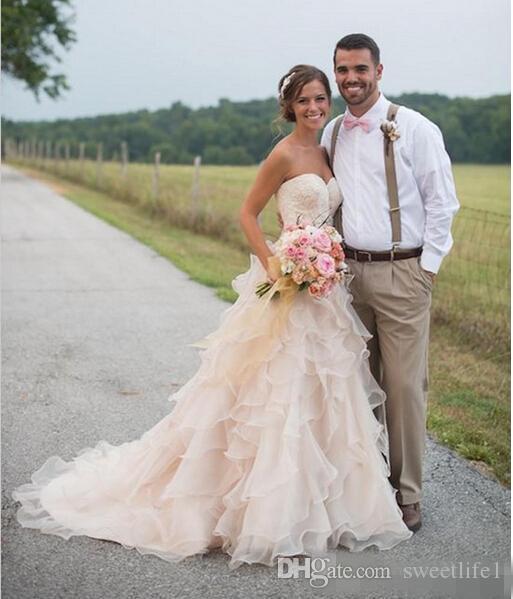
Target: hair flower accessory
point(286, 83)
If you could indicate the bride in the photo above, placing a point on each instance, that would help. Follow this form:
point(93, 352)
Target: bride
point(272, 448)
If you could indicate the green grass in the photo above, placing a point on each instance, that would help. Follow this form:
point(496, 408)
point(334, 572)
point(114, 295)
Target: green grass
point(473, 290)
point(472, 294)
point(483, 187)
point(469, 404)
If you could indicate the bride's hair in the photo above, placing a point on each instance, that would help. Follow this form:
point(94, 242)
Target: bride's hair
point(292, 83)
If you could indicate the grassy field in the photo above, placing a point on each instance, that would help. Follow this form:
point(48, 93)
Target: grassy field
point(469, 351)
point(472, 295)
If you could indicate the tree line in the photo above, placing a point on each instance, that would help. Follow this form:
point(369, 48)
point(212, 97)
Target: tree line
point(243, 133)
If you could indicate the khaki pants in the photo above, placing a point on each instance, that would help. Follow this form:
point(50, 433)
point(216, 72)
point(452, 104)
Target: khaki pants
point(393, 301)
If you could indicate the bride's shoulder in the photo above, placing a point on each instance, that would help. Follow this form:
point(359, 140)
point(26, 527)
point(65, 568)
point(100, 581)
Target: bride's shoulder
point(280, 157)
point(283, 148)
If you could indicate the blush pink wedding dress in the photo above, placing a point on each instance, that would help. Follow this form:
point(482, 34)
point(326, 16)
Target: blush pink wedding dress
point(272, 447)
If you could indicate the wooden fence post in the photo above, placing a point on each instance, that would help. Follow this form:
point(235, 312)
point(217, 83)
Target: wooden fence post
point(41, 154)
point(156, 179)
point(48, 154)
point(66, 156)
point(81, 154)
point(196, 185)
point(57, 156)
point(99, 159)
point(124, 160)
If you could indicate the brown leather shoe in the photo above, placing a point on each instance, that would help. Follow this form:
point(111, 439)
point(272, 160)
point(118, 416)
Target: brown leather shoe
point(411, 516)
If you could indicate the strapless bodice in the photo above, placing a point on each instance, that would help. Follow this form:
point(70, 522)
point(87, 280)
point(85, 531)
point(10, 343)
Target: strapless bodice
point(308, 196)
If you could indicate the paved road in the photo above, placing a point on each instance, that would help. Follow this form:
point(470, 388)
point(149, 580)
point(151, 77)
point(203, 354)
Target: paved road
point(95, 332)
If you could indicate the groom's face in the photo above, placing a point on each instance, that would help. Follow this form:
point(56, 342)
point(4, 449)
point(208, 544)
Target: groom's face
point(357, 76)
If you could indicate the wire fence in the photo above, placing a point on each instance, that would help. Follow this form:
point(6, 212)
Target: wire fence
point(472, 292)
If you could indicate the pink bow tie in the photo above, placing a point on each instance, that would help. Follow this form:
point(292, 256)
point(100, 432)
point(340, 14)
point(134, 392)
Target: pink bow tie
point(350, 122)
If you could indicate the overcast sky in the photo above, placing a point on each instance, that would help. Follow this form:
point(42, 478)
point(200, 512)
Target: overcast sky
point(134, 54)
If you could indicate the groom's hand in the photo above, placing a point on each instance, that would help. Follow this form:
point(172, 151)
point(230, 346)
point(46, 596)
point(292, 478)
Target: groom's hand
point(431, 275)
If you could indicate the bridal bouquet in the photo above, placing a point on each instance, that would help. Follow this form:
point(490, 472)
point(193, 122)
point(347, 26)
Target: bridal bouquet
point(307, 257)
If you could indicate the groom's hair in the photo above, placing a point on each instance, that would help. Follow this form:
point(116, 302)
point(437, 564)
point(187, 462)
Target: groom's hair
point(358, 41)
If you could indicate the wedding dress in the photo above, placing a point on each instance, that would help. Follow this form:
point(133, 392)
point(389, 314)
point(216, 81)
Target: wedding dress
point(272, 448)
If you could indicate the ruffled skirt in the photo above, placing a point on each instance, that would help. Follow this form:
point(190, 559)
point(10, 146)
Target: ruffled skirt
point(272, 448)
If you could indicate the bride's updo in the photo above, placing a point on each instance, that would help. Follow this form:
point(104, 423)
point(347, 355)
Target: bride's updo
point(292, 83)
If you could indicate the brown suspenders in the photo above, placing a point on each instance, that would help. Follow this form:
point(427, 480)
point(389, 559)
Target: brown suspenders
point(391, 178)
point(393, 194)
point(337, 217)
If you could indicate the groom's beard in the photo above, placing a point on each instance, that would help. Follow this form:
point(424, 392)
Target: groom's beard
point(360, 98)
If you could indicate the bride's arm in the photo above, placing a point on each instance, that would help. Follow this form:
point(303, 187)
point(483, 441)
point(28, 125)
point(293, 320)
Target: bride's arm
point(271, 175)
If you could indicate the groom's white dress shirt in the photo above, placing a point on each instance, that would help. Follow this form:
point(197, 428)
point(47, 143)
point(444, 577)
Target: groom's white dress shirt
point(427, 195)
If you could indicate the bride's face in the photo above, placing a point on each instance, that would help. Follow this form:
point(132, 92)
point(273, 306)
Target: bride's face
point(312, 105)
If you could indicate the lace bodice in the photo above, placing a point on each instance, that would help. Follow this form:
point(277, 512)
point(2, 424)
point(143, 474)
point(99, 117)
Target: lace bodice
point(309, 196)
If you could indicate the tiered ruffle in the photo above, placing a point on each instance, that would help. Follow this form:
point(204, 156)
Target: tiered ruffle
point(272, 449)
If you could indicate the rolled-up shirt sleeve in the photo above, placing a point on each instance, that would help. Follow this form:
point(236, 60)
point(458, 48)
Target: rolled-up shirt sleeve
point(433, 174)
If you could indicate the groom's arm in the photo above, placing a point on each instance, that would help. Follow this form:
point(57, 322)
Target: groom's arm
point(433, 174)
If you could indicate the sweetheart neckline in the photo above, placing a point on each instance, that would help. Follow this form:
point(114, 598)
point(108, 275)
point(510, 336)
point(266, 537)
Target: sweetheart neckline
point(311, 174)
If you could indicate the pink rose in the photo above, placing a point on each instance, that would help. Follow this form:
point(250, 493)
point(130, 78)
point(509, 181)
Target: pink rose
point(325, 265)
point(315, 290)
point(336, 252)
point(304, 239)
point(326, 287)
point(321, 288)
point(321, 241)
point(300, 254)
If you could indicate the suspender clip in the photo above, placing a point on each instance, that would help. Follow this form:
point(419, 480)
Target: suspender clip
point(395, 247)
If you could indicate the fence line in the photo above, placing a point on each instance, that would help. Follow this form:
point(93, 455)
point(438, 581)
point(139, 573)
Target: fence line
point(471, 294)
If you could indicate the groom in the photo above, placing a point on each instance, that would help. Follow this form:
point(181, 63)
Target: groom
point(393, 247)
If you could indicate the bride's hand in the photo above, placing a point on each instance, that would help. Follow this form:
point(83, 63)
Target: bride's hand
point(271, 277)
point(273, 268)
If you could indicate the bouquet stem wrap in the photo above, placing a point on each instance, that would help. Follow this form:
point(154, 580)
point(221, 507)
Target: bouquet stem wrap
point(264, 314)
